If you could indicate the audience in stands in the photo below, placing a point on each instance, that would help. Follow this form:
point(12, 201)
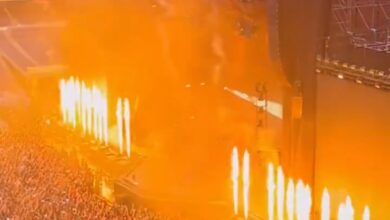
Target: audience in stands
point(38, 182)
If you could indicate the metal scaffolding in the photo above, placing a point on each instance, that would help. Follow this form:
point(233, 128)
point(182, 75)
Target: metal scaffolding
point(365, 22)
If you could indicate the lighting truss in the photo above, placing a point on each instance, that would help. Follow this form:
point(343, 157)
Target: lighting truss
point(359, 74)
point(365, 22)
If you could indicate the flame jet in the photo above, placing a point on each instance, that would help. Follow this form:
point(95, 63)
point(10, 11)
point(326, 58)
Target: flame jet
point(234, 178)
point(325, 205)
point(127, 126)
point(280, 193)
point(271, 191)
point(366, 213)
point(299, 200)
point(119, 124)
point(290, 198)
point(245, 181)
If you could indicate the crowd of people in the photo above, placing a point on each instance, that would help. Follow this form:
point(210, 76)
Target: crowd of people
point(38, 182)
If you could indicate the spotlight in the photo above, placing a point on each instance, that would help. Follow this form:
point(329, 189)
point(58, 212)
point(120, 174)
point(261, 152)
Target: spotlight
point(377, 86)
point(359, 81)
point(340, 76)
point(318, 71)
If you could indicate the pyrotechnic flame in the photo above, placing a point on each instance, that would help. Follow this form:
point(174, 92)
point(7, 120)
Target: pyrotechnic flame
point(89, 107)
point(280, 193)
point(105, 115)
point(95, 103)
point(366, 213)
point(84, 107)
point(290, 198)
point(346, 211)
point(299, 200)
point(84, 110)
point(62, 99)
point(307, 203)
point(349, 208)
point(325, 205)
point(78, 100)
point(101, 117)
point(119, 124)
point(246, 180)
point(341, 215)
point(127, 126)
point(72, 101)
point(234, 178)
point(271, 191)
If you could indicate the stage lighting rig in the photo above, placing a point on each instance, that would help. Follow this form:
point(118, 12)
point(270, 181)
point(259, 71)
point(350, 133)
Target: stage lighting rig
point(361, 75)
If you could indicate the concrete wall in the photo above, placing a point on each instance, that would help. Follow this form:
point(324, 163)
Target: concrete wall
point(353, 145)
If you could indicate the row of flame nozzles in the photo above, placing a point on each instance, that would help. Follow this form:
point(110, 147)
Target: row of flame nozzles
point(86, 107)
point(291, 203)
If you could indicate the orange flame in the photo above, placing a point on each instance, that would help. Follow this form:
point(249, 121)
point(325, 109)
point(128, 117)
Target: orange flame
point(366, 213)
point(95, 112)
point(234, 178)
point(89, 107)
point(307, 203)
point(290, 198)
point(341, 215)
point(105, 115)
point(349, 208)
point(299, 200)
point(246, 180)
point(78, 100)
point(271, 191)
point(119, 124)
point(325, 205)
point(84, 107)
point(127, 126)
point(280, 194)
point(346, 211)
point(62, 87)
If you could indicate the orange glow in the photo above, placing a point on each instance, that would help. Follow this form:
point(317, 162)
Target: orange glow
point(72, 103)
point(78, 100)
point(62, 99)
point(290, 198)
point(325, 205)
point(366, 213)
point(307, 203)
point(84, 107)
point(341, 215)
point(349, 208)
point(95, 112)
point(234, 178)
point(84, 110)
point(127, 126)
point(346, 211)
point(299, 200)
point(271, 191)
point(89, 107)
point(105, 116)
point(280, 194)
point(246, 183)
point(101, 117)
point(119, 124)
